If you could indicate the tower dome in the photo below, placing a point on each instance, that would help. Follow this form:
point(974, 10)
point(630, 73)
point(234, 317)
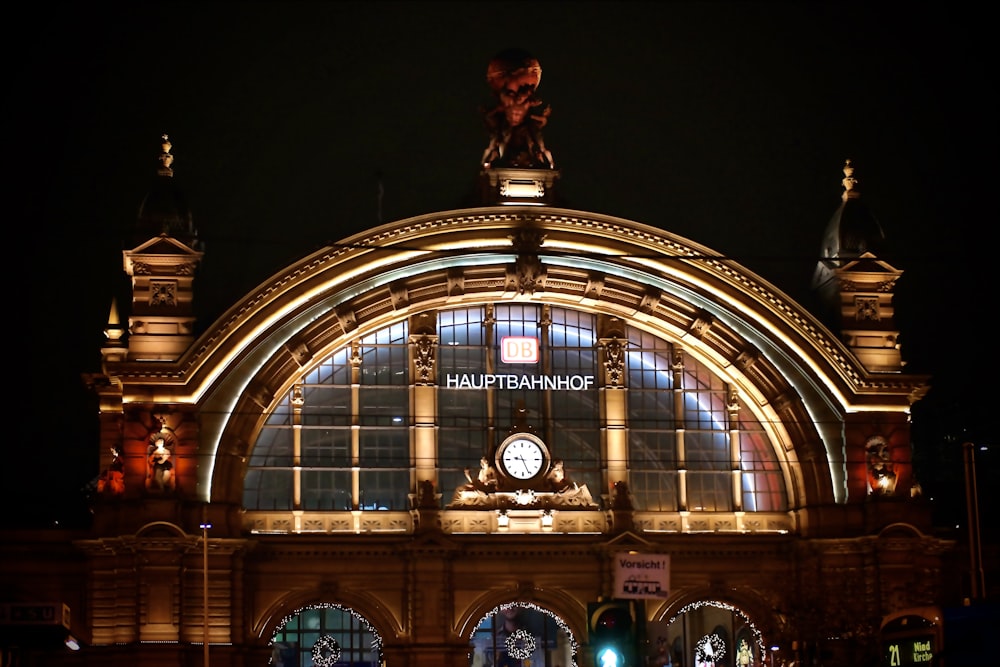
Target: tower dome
point(164, 209)
point(853, 230)
point(854, 284)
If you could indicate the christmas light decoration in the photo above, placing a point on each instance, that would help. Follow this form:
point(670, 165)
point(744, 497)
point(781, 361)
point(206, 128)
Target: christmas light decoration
point(520, 644)
point(325, 652)
point(710, 648)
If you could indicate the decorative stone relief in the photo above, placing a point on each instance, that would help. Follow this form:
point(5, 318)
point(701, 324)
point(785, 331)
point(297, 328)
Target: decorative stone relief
point(423, 358)
point(162, 293)
point(614, 362)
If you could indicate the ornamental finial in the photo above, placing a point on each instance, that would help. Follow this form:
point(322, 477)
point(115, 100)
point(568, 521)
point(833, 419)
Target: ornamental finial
point(166, 159)
point(849, 182)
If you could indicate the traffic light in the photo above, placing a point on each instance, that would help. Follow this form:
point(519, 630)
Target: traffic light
point(612, 628)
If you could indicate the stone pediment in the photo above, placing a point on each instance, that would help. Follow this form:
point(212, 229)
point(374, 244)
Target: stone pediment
point(868, 263)
point(627, 540)
point(163, 245)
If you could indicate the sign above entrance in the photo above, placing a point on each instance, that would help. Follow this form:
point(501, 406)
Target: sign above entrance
point(641, 575)
point(527, 382)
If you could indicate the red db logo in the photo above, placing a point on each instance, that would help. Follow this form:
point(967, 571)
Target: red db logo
point(518, 350)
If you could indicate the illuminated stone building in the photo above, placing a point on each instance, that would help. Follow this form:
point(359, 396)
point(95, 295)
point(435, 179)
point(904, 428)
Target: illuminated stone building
point(437, 442)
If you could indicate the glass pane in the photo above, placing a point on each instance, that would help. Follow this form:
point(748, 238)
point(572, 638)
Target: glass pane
point(394, 334)
point(281, 415)
point(706, 409)
point(384, 448)
point(274, 447)
point(707, 450)
point(652, 449)
point(516, 320)
point(709, 491)
point(462, 327)
point(654, 491)
point(335, 370)
point(763, 482)
point(651, 409)
point(384, 365)
point(326, 489)
point(268, 489)
point(384, 406)
point(326, 405)
point(326, 447)
point(385, 489)
point(764, 492)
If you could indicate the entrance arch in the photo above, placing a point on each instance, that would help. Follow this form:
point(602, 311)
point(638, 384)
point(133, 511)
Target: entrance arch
point(513, 632)
point(706, 633)
point(330, 633)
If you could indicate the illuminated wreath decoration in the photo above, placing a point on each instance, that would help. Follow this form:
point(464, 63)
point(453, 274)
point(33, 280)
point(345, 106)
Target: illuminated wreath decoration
point(714, 641)
point(325, 652)
point(520, 644)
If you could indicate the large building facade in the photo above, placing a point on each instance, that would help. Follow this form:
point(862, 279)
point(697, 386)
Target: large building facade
point(440, 441)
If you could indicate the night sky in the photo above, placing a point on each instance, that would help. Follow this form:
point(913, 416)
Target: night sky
point(725, 123)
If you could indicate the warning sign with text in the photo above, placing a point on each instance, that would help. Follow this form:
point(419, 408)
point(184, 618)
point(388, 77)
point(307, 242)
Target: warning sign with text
point(641, 575)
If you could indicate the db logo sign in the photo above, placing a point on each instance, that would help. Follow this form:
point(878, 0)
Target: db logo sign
point(518, 350)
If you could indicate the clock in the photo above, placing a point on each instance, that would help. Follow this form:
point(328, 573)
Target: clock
point(522, 456)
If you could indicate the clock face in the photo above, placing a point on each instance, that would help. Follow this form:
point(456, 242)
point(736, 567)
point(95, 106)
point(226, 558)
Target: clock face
point(522, 457)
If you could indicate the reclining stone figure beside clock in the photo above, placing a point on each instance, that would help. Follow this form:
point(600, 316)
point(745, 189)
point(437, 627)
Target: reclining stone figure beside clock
point(486, 480)
point(566, 489)
point(489, 490)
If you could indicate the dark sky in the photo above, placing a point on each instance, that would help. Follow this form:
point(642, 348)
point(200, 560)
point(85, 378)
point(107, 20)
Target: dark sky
point(725, 123)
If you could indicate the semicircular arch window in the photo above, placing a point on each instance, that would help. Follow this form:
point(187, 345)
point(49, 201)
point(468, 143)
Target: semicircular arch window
point(344, 437)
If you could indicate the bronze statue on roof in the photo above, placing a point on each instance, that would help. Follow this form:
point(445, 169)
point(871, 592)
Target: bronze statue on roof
point(515, 122)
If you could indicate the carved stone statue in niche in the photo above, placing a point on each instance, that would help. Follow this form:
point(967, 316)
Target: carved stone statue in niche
point(621, 497)
point(112, 479)
point(159, 467)
point(426, 497)
point(881, 476)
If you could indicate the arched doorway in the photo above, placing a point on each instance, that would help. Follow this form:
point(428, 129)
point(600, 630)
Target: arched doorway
point(323, 635)
point(520, 633)
point(706, 633)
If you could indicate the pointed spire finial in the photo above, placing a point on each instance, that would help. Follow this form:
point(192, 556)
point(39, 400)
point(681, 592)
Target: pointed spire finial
point(114, 330)
point(849, 182)
point(166, 159)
